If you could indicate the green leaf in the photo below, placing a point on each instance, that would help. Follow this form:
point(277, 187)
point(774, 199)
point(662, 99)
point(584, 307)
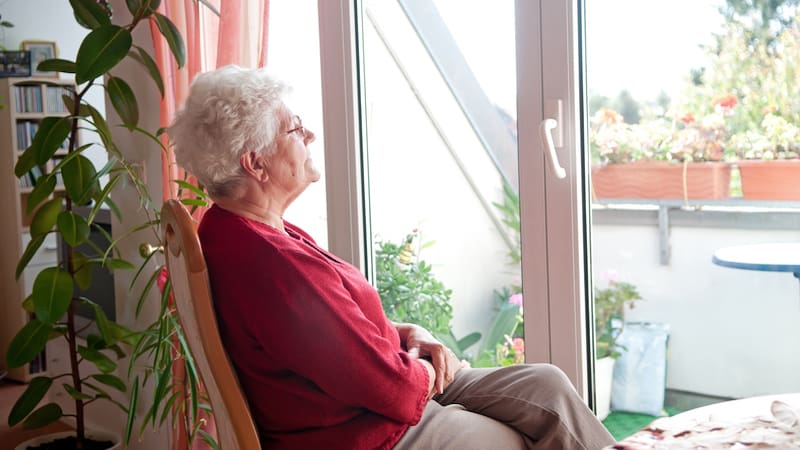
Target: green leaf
point(504, 324)
point(30, 250)
point(26, 161)
point(468, 341)
point(147, 61)
point(142, 8)
point(74, 393)
point(26, 402)
point(112, 381)
point(45, 415)
point(79, 179)
point(116, 263)
point(124, 334)
point(45, 218)
point(173, 37)
point(27, 304)
point(42, 190)
point(51, 134)
point(73, 228)
point(56, 65)
point(103, 362)
point(29, 342)
point(101, 127)
point(132, 410)
point(52, 294)
point(101, 50)
point(89, 13)
point(81, 270)
point(103, 195)
point(69, 102)
point(123, 100)
point(103, 324)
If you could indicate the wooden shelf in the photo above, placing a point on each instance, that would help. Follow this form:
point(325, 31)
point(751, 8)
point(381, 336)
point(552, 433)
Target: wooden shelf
point(18, 124)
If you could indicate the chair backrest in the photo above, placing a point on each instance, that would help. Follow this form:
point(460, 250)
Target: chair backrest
point(189, 279)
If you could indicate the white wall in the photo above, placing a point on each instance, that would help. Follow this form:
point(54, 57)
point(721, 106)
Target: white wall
point(734, 332)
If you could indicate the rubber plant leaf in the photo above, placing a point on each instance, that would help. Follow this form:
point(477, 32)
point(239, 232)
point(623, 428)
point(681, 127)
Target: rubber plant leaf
point(89, 13)
point(123, 100)
point(101, 50)
point(26, 402)
point(52, 294)
point(29, 342)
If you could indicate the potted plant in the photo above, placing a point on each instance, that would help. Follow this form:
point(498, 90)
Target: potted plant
point(768, 159)
point(661, 158)
point(54, 300)
point(609, 319)
point(763, 139)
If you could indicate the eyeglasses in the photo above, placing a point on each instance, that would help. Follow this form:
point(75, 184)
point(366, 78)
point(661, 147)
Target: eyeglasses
point(301, 130)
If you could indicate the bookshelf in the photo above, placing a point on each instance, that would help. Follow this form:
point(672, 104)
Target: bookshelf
point(26, 101)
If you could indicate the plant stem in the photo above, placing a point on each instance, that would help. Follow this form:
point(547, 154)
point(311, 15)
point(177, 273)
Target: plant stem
point(73, 338)
point(76, 376)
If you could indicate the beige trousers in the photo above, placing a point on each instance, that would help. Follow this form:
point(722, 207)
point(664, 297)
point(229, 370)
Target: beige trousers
point(529, 406)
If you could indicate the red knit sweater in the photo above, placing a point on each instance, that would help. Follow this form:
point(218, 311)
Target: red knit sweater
point(319, 362)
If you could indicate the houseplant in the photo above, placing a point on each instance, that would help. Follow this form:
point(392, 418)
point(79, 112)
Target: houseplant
point(54, 299)
point(609, 319)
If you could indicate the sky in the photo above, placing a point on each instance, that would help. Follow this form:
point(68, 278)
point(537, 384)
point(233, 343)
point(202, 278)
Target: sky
point(639, 45)
point(644, 45)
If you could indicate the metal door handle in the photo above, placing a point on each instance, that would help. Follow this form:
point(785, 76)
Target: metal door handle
point(545, 129)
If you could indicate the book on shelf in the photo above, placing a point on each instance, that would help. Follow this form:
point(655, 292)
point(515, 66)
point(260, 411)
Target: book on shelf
point(26, 130)
point(28, 99)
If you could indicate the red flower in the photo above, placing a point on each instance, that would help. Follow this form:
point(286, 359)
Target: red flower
point(608, 116)
point(727, 101)
point(687, 118)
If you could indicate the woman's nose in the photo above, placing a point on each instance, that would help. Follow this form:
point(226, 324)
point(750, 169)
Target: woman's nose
point(309, 136)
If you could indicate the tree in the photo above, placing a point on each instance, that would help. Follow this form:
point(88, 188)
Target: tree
point(763, 19)
point(627, 106)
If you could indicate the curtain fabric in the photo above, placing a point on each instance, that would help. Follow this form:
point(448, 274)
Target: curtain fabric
point(216, 33)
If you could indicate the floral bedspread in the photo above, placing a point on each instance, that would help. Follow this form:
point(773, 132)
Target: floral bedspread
point(778, 430)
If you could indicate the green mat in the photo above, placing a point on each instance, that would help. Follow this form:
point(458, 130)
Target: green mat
point(624, 424)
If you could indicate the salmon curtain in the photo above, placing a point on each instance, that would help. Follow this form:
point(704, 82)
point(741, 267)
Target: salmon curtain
point(216, 33)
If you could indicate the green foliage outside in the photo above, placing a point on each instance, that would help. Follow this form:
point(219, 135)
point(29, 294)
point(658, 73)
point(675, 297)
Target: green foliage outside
point(411, 293)
point(742, 104)
point(609, 315)
point(408, 288)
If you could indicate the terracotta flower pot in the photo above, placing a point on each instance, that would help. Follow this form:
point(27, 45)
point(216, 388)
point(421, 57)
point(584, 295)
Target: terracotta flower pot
point(116, 442)
point(662, 180)
point(770, 180)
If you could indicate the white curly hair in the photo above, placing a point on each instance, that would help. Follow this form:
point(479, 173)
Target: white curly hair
point(229, 111)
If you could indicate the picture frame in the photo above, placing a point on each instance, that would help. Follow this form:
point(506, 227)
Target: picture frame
point(15, 63)
point(40, 51)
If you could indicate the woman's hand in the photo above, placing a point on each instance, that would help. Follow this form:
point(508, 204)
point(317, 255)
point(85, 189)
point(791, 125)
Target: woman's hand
point(421, 344)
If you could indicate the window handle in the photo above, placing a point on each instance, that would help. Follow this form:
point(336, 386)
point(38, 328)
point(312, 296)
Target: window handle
point(545, 132)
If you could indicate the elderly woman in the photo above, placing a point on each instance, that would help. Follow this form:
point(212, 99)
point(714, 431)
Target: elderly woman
point(321, 365)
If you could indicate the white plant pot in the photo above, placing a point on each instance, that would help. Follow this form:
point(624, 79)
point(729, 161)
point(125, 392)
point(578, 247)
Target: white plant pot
point(603, 376)
point(98, 435)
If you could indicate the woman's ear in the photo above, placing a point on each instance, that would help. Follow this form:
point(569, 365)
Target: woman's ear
point(255, 165)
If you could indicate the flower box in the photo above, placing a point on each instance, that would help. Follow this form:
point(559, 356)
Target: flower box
point(770, 180)
point(662, 180)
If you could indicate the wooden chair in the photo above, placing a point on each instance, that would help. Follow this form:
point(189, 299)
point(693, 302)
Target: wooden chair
point(189, 278)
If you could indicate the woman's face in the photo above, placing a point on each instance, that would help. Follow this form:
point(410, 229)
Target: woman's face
point(292, 166)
